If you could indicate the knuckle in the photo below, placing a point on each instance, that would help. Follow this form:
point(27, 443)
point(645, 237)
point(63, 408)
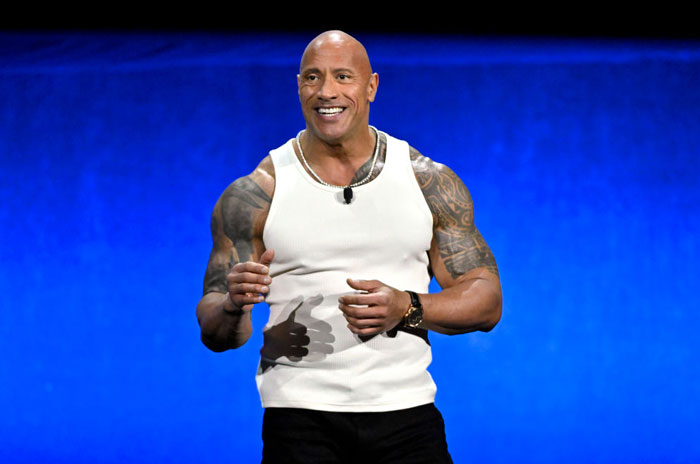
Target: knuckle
point(255, 288)
point(238, 267)
point(248, 278)
point(235, 289)
point(348, 311)
point(243, 288)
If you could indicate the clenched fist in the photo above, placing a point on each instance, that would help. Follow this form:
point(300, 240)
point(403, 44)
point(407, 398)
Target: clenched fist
point(378, 310)
point(248, 283)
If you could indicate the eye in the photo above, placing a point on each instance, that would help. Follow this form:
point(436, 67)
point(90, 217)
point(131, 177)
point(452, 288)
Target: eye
point(343, 77)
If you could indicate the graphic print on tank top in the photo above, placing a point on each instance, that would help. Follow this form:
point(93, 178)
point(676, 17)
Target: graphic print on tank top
point(291, 339)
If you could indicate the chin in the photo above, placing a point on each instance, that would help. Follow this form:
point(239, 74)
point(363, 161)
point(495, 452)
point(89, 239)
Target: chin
point(329, 136)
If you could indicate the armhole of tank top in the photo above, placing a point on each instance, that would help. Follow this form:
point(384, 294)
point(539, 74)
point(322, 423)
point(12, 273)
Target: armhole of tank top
point(404, 149)
point(277, 164)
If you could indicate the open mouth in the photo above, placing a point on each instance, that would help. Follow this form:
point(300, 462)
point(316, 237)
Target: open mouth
point(330, 111)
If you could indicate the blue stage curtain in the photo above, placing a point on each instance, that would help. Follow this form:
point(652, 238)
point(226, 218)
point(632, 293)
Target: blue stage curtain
point(582, 160)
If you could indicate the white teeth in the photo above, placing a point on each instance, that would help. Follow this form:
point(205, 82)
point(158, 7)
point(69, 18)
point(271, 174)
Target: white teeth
point(330, 110)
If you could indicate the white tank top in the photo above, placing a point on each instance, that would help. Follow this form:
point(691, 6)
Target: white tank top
point(320, 241)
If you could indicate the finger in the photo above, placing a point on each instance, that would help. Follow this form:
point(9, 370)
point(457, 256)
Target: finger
point(267, 257)
point(249, 278)
point(364, 299)
point(366, 285)
point(298, 351)
point(239, 300)
point(247, 298)
point(250, 266)
point(372, 312)
point(365, 323)
point(248, 288)
point(299, 339)
point(294, 339)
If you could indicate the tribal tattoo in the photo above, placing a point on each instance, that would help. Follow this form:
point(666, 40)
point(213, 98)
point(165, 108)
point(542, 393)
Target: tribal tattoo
point(459, 242)
point(364, 169)
point(235, 223)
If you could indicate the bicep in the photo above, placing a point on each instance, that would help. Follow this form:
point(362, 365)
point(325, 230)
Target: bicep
point(458, 250)
point(236, 228)
point(456, 255)
point(222, 256)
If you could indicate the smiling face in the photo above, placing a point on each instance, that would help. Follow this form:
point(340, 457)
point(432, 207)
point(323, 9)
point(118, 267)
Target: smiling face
point(336, 86)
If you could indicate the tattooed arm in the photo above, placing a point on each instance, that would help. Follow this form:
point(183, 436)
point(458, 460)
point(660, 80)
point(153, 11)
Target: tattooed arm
point(460, 259)
point(237, 273)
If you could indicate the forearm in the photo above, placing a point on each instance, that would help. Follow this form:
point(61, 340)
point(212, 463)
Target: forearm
point(222, 330)
point(473, 304)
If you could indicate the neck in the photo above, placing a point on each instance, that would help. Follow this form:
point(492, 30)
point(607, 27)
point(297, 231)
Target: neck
point(336, 164)
point(352, 151)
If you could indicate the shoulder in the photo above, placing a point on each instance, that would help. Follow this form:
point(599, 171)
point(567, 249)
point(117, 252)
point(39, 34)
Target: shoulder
point(425, 168)
point(254, 189)
point(428, 172)
point(242, 208)
point(443, 190)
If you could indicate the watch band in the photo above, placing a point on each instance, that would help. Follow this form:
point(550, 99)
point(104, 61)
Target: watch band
point(415, 301)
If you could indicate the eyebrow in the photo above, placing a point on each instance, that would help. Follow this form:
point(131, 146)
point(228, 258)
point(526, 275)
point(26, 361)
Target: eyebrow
point(337, 70)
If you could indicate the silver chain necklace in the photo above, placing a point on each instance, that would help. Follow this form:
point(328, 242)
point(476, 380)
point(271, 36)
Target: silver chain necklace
point(347, 189)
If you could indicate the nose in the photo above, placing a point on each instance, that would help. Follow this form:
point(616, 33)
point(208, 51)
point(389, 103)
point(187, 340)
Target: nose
point(328, 90)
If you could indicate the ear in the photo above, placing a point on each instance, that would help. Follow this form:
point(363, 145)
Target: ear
point(372, 87)
point(299, 84)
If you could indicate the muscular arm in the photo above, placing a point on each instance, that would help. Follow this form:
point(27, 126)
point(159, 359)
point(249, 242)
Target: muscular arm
point(460, 259)
point(236, 227)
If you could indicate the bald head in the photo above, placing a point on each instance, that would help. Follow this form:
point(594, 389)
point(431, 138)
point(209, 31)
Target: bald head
point(336, 86)
point(337, 42)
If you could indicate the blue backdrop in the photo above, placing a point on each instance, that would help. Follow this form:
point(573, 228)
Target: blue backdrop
point(582, 160)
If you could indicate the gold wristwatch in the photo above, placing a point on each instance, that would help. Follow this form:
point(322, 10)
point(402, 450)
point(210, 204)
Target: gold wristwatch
point(414, 314)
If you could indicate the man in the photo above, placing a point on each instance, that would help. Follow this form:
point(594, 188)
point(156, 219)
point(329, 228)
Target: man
point(339, 231)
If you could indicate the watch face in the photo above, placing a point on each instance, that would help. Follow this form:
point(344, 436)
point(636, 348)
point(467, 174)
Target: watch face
point(415, 317)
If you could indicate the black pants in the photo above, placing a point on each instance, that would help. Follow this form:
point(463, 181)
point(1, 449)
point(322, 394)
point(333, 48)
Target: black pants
point(415, 435)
